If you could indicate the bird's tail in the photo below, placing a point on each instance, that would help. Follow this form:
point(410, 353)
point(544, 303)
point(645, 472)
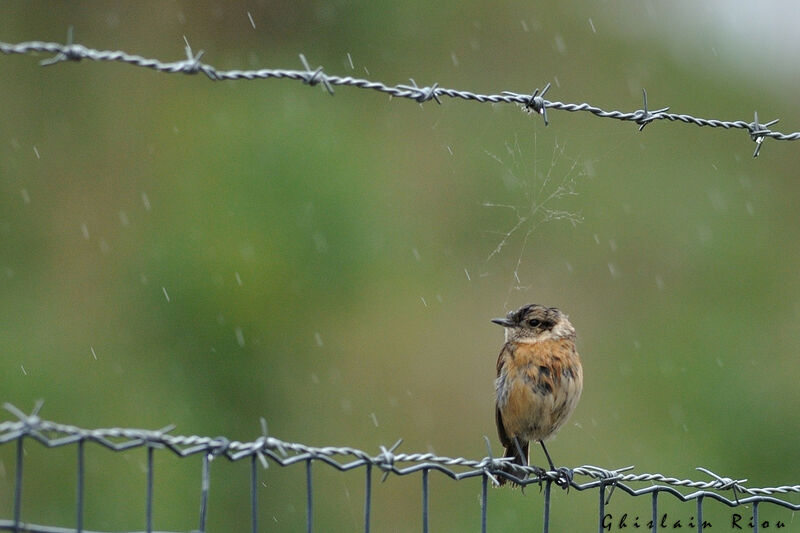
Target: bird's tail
point(519, 451)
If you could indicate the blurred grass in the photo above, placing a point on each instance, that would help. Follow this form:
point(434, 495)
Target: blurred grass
point(325, 258)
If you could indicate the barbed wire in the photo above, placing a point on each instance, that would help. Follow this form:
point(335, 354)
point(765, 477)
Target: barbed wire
point(266, 450)
point(534, 102)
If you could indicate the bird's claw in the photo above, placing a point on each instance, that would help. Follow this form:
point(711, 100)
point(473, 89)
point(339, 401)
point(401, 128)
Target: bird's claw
point(564, 478)
point(541, 475)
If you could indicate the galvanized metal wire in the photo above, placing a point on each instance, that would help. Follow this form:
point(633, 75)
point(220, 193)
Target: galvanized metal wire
point(267, 450)
point(534, 102)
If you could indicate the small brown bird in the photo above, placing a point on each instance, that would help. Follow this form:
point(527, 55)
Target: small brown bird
point(539, 381)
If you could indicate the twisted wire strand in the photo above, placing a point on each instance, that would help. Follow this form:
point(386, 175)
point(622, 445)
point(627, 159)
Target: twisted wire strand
point(284, 453)
point(531, 102)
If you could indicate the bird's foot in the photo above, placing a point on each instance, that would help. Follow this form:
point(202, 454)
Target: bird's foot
point(564, 478)
point(541, 475)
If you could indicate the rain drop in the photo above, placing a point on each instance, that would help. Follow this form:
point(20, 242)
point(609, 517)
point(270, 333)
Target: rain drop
point(717, 200)
point(704, 233)
point(588, 167)
point(247, 251)
point(561, 46)
point(347, 405)
point(320, 242)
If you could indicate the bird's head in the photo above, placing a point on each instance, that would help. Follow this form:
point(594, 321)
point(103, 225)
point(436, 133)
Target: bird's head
point(535, 323)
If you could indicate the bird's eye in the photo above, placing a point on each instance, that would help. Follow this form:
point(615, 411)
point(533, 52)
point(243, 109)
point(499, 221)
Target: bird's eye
point(534, 322)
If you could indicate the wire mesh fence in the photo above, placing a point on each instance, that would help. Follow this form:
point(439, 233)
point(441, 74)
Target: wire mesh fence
point(534, 102)
point(267, 450)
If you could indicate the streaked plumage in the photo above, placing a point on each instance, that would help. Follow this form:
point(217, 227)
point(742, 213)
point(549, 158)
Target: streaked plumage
point(539, 378)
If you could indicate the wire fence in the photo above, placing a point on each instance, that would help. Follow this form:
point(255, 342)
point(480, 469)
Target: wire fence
point(534, 102)
point(266, 450)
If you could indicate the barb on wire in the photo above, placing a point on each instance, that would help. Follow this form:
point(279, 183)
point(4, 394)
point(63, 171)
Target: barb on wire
point(645, 116)
point(536, 102)
point(193, 63)
point(758, 132)
point(530, 102)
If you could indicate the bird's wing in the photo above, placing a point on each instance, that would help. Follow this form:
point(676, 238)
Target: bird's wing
point(503, 351)
point(501, 429)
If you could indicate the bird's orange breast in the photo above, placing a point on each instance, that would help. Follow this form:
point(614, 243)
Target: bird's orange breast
point(538, 386)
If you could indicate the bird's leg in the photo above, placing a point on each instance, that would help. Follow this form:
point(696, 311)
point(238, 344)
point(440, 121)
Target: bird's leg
point(522, 460)
point(564, 473)
point(552, 466)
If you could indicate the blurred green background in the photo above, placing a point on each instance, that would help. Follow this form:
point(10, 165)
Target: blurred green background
point(179, 251)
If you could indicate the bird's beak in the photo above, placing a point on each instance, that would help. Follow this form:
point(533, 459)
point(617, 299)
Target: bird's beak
point(506, 323)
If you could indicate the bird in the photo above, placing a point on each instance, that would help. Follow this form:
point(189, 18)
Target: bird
point(539, 383)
